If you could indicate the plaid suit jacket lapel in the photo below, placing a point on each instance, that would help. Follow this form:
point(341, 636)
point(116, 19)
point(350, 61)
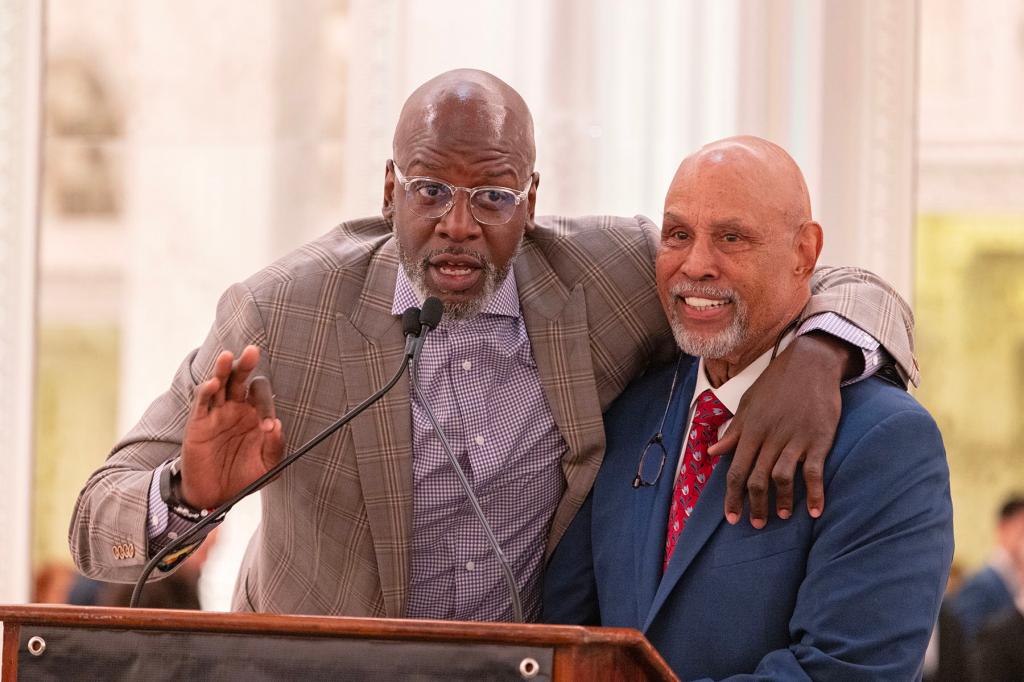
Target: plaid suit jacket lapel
point(556, 322)
point(371, 344)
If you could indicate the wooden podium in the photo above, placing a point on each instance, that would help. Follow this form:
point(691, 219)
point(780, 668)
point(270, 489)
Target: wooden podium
point(86, 643)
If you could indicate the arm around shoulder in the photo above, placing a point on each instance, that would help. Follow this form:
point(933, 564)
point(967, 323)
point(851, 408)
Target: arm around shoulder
point(871, 303)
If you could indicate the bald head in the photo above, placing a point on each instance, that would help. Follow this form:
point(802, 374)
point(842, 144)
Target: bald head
point(754, 167)
point(466, 107)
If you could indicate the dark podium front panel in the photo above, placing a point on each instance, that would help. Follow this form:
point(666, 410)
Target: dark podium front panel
point(95, 654)
point(83, 643)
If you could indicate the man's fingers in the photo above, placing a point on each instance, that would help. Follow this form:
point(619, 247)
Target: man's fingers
point(758, 488)
point(204, 392)
point(240, 371)
point(261, 397)
point(736, 478)
point(782, 476)
point(221, 372)
point(814, 468)
point(729, 440)
point(273, 445)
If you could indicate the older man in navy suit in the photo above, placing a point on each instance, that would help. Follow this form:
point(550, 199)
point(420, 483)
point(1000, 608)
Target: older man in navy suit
point(848, 594)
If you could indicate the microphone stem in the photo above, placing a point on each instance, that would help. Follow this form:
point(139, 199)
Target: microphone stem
point(184, 539)
point(510, 580)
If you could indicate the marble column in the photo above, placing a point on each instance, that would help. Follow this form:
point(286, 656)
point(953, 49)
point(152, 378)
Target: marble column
point(21, 34)
point(835, 83)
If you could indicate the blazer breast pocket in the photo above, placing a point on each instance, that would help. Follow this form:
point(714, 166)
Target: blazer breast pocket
point(759, 545)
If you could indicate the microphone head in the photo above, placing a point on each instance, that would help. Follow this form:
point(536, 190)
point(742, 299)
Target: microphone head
point(411, 321)
point(432, 311)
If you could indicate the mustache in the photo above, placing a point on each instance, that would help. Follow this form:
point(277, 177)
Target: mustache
point(683, 289)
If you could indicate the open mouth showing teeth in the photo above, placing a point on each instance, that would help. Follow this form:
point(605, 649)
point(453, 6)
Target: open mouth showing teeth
point(454, 270)
point(704, 303)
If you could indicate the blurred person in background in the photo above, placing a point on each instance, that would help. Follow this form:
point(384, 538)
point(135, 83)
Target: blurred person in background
point(946, 659)
point(998, 651)
point(994, 589)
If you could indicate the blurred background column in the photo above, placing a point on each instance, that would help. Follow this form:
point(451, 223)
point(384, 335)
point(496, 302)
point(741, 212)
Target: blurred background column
point(224, 178)
point(835, 84)
point(21, 54)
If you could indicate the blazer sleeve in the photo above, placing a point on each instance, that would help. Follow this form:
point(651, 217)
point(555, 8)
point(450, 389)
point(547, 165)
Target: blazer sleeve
point(570, 590)
point(108, 535)
point(878, 564)
point(869, 302)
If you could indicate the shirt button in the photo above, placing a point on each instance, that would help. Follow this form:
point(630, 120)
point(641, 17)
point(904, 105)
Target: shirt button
point(479, 440)
point(470, 565)
point(172, 535)
point(467, 365)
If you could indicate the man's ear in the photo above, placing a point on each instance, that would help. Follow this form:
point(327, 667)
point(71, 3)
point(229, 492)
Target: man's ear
point(531, 201)
point(809, 240)
point(387, 209)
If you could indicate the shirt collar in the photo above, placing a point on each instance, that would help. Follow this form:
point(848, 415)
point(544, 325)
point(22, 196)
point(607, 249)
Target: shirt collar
point(504, 302)
point(731, 392)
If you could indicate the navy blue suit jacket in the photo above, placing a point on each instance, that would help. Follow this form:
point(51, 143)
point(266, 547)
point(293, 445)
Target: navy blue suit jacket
point(852, 595)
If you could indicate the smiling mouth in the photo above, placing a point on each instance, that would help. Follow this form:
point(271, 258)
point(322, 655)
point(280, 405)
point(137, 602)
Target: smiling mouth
point(705, 303)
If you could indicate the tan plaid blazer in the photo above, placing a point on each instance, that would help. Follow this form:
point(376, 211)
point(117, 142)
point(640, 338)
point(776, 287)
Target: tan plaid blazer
point(334, 536)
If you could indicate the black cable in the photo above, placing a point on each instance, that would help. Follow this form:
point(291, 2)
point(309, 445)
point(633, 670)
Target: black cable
point(218, 513)
point(510, 580)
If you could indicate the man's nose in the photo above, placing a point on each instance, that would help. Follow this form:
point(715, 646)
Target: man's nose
point(700, 261)
point(458, 224)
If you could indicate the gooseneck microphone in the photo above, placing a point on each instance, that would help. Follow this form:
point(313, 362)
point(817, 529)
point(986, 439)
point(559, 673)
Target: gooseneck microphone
point(430, 317)
point(413, 324)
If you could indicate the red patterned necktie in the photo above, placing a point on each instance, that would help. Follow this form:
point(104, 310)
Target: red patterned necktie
point(708, 416)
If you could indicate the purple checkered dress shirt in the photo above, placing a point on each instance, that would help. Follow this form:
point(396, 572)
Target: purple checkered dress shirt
point(481, 382)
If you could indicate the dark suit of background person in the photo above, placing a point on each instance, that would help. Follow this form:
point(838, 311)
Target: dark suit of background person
point(984, 595)
point(998, 655)
point(851, 595)
point(991, 591)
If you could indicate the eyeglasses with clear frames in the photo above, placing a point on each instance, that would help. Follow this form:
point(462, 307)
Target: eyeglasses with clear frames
point(432, 198)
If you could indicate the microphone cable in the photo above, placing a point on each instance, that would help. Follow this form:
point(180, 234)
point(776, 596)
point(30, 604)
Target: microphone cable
point(411, 328)
point(492, 540)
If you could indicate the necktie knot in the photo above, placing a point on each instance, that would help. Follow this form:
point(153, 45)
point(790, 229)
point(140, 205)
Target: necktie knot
point(710, 413)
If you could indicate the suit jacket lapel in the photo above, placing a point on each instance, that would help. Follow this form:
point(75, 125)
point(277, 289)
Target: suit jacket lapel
point(556, 322)
point(371, 345)
point(651, 504)
point(706, 518)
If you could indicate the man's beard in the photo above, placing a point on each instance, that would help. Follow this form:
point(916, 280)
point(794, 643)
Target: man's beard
point(719, 345)
point(416, 271)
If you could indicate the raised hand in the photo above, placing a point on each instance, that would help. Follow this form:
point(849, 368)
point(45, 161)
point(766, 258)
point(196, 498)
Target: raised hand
point(233, 435)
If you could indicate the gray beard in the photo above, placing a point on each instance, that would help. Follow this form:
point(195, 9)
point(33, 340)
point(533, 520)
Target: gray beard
point(416, 271)
point(720, 345)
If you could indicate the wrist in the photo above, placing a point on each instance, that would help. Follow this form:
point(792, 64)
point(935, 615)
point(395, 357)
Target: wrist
point(171, 492)
point(832, 352)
